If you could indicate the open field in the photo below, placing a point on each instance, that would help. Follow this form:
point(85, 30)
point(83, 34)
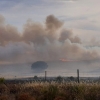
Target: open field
point(50, 91)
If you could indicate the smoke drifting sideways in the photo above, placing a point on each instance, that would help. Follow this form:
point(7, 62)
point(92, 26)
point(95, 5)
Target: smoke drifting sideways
point(42, 42)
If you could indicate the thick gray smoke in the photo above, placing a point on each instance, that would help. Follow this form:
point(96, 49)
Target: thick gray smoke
point(39, 66)
point(49, 42)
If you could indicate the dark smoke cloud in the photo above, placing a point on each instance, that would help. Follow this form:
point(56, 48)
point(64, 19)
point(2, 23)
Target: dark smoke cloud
point(39, 42)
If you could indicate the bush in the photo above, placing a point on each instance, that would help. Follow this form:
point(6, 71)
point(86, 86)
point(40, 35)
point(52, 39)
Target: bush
point(2, 80)
point(49, 92)
point(60, 98)
point(24, 96)
point(4, 97)
point(59, 79)
point(4, 89)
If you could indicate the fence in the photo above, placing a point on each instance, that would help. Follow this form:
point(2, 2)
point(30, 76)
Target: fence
point(49, 73)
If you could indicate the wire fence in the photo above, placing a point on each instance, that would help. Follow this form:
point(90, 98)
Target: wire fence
point(49, 74)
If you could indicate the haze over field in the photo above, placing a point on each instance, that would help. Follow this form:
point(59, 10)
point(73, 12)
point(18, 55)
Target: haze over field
point(63, 33)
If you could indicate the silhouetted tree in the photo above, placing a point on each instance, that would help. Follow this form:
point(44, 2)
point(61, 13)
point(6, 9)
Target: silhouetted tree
point(59, 79)
point(71, 78)
point(35, 77)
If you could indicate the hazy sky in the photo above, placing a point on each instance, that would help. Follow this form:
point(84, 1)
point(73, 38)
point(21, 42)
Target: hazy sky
point(51, 31)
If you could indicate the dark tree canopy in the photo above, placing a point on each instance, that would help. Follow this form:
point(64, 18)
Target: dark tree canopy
point(39, 66)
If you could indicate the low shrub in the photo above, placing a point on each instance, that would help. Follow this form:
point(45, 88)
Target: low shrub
point(2, 80)
point(24, 96)
point(4, 97)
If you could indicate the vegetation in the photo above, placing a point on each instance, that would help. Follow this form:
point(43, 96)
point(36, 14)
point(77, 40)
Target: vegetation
point(35, 77)
point(59, 79)
point(2, 80)
point(50, 91)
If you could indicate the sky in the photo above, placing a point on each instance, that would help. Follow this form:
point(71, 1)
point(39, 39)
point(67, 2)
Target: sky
point(60, 32)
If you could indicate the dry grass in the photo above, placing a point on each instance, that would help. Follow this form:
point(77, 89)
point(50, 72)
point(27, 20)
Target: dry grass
point(50, 91)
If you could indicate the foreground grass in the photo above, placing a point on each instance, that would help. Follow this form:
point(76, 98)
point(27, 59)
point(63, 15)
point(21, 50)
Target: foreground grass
point(50, 91)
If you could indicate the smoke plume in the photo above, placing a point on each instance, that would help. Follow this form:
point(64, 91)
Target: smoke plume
point(49, 42)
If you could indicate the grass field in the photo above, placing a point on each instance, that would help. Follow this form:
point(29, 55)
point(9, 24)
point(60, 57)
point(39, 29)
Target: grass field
point(50, 91)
